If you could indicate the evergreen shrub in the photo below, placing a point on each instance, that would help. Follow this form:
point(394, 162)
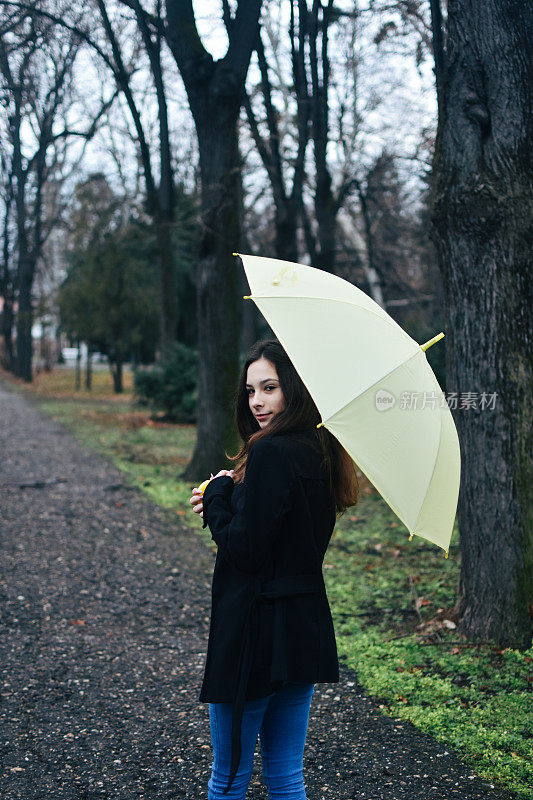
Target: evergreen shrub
point(170, 386)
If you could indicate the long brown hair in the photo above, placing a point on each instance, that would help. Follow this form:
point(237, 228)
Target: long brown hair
point(300, 413)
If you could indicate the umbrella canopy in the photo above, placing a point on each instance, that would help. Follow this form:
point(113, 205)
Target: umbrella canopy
point(372, 385)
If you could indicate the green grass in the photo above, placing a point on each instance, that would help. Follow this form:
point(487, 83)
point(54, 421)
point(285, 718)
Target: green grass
point(475, 699)
point(61, 382)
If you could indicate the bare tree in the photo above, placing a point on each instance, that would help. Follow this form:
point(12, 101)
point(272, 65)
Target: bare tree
point(287, 201)
point(216, 91)
point(320, 104)
point(106, 41)
point(7, 273)
point(160, 193)
point(482, 222)
point(309, 37)
point(35, 68)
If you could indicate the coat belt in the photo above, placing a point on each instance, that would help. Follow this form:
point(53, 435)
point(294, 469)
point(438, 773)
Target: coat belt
point(275, 589)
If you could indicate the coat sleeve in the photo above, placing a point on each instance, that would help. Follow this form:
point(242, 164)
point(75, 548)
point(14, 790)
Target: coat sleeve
point(247, 536)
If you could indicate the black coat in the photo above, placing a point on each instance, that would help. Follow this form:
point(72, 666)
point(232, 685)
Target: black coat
point(270, 617)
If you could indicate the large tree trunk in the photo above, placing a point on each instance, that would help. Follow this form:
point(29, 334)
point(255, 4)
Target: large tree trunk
point(6, 289)
point(482, 227)
point(116, 374)
point(326, 216)
point(24, 324)
point(89, 368)
point(7, 332)
point(218, 309)
point(78, 368)
point(216, 91)
point(326, 207)
point(286, 227)
point(167, 290)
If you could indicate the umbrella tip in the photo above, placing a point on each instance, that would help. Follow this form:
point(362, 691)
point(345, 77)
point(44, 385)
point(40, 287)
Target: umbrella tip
point(235, 254)
point(410, 536)
point(247, 297)
point(431, 342)
point(320, 424)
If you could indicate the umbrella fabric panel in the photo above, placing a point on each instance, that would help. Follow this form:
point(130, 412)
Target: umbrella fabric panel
point(396, 448)
point(344, 351)
point(437, 515)
point(409, 454)
point(299, 280)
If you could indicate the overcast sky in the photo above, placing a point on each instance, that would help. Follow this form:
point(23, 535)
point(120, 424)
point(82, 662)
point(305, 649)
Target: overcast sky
point(395, 98)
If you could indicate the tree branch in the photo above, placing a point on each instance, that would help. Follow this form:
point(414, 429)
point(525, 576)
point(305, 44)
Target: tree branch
point(123, 80)
point(272, 123)
point(152, 19)
point(243, 37)
point(90, 132)
point(226, 16)
point(302, 95)
point(60, 21)
point(193, 60)
point(165, 183)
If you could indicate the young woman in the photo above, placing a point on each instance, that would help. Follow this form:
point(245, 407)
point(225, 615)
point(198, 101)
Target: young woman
point(271, 636)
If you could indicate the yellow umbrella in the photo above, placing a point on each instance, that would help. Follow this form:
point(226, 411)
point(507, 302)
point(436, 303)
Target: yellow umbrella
point(372, 385)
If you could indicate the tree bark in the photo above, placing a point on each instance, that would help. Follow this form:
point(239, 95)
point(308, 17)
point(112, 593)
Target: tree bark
point(326, 207)
point(6, 280)
point(168, 322)
point(216, 91)
point(78, 368)
point(7, 332)
point(482, 228)
point(88, 368)
point(24, 326)
point(116, 371)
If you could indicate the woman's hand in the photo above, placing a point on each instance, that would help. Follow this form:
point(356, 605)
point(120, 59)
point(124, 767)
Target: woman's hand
point(196, 501)
point(197, 495)
point(224, 472)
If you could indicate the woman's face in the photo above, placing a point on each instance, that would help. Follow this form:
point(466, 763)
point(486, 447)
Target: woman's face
point(264, 391)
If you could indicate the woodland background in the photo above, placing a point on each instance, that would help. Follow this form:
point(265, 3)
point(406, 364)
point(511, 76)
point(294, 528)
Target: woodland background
point(386, 141)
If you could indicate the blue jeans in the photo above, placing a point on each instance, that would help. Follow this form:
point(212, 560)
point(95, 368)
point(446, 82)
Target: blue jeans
point(281, 720)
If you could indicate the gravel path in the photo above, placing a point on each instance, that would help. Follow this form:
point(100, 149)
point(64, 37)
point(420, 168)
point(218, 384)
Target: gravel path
point(104, 604)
